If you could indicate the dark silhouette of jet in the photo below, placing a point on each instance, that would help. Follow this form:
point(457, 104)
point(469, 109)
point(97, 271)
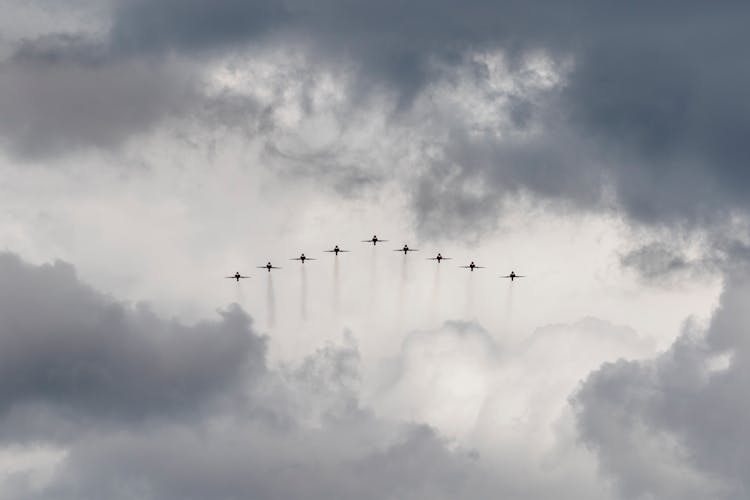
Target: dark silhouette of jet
point(439, 258)
point(237, 276)
point(336, 250)
point(406, 249)
point(513, 276)
point(268, 267)
point(374, 240)
point(472, 266)
point(302, 258)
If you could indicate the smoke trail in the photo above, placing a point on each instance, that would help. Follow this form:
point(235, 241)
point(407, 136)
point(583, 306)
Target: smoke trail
point(371, 306)
point(336, 285)
point(239, 295)
point(435, 298)
point(470, 296)
point(303, 293)
point(401, 290)
point(271, 301)
point(509, 308)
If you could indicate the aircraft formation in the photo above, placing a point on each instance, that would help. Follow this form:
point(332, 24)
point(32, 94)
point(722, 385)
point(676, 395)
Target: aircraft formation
point(374, 240)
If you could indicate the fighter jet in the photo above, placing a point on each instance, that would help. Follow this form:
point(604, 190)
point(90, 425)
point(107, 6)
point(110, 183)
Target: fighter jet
point(268, 267)
point(336, 250)
point(302, 258)
point(472, 266)
point(374, 240)
point(406, 249)
point(513, 276)
point(237, 276)
point(439, 258)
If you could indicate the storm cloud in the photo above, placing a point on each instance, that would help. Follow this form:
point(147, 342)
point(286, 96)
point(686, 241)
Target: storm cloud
point(74, 360)
point(676, 426)
point(647, 116)
point(69, 353)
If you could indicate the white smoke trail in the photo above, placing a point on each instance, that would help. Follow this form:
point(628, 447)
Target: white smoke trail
point(470, 296)
point(336, 286)
point(239, 295)
point(271, 302)
point(435, 297)
point(372, 305)
point(401, 291)
point(509, 309)
point(303, 292)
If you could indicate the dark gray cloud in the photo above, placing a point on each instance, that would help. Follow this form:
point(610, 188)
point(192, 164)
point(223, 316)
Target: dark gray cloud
point(70, 354)
point(677, 426)
point(178, 463)
point(649, 117)
point(61, 94)
point(664, 263)
point(72, 360)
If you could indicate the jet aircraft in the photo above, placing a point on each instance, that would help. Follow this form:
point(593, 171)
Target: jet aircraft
point(513, 276)
point(237, 276)
point(439, 258)
point(406, 249)
point(268, 267)
point(336, 250)
point(472, 266)
point(374, 240)
point(302, 258)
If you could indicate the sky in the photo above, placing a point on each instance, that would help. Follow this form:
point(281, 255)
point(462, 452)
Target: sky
point(149, 149)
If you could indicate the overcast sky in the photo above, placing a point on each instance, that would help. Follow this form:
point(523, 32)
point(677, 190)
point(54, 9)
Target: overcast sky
point(149, 148)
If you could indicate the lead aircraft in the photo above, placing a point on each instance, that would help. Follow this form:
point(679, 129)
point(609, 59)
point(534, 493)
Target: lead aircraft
point(374, 240)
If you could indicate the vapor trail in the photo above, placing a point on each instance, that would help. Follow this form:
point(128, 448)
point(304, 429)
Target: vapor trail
point(509, 308)
point(303, 292)
point(371, 306)
point(470, 296)
point(401, 290)
point(435, 298)
point(239, 295)
point(271, 301)
point(336, 285)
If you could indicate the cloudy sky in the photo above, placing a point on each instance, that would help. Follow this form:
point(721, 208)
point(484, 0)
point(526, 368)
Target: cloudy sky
point(148, 148)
